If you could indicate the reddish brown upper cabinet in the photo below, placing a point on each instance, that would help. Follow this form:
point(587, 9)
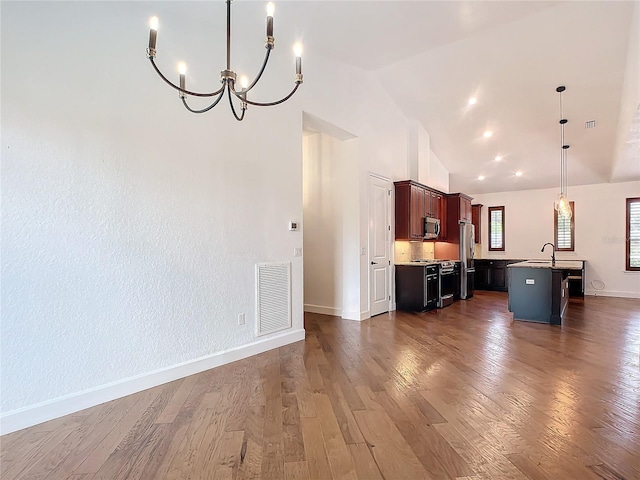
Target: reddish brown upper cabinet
point(432, 200)
point(416, 220)
point(466, 212)
point(476, 215)
point(415, 201)
point(410, 210)
point(458, 207)
point(436, 205)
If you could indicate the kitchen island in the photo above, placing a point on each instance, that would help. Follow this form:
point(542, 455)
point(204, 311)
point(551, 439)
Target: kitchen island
point(539, 289)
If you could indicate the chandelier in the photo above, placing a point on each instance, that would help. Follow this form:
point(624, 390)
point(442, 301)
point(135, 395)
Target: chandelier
point(227, 76)
point(562, 205)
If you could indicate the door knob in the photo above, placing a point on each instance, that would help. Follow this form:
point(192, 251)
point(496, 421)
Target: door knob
point(374, 263)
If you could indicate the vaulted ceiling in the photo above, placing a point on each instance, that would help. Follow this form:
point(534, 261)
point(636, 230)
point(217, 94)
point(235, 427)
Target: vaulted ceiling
point(433, 56)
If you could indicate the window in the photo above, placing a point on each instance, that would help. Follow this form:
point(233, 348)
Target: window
point(496, 229)
point(564, 230)
point(633, 234)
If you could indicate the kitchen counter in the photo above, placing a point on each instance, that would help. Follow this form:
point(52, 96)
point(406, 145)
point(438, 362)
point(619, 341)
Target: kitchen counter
point(539, 291)
point(423, 264)
point(415, 264)
point(560, 264)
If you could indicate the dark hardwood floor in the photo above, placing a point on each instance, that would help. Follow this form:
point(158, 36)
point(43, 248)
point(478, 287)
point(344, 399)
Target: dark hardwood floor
point(458, 393)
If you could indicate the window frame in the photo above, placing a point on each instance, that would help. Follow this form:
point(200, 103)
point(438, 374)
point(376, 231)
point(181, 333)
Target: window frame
point(572, 248)
point(627, 242)
point(490, 211)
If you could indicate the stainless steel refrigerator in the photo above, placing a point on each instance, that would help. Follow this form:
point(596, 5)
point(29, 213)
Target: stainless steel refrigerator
point(467, 268)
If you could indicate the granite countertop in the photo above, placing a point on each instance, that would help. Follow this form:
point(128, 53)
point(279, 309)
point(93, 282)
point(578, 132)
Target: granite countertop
point(560, 264)
point(423, 264)
point(416, 264)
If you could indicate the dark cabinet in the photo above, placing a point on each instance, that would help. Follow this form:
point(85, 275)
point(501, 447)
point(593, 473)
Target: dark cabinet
point(416, 287)
point(498, 276)
point(491, 275)
point(438, 207)
point(415, 201)
point(482, 275)
point(465, 208)
point(458, 207)
point(410, 212)
point(416, 220)
point(476, 215)
point(432, 200)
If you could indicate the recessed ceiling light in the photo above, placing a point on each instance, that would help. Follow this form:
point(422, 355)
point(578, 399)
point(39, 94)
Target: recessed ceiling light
point(498, 158)
point(480, 177)
point(518, 174)
point(473, 100)
point(487, 134)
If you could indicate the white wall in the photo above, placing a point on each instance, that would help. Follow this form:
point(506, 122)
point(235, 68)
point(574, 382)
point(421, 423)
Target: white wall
point(599, 231)
point(353, 101)
point(628, 168)
point(422, 164)
point(438, 175)
point(131, 228)
point(324, 191)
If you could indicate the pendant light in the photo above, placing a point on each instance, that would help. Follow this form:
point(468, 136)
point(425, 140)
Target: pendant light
point(562, 205)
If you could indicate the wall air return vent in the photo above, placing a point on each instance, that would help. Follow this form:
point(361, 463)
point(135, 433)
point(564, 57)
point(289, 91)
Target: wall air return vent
point(590, 124)
point(273, 297)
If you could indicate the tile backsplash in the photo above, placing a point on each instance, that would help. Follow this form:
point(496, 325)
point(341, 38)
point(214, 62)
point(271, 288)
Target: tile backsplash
point(407, 251)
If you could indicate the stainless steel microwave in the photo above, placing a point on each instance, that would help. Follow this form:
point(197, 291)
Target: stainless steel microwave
point(431, 228)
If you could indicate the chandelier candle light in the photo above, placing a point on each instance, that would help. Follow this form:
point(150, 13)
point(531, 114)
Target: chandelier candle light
point(227, 76)
point(562, 204)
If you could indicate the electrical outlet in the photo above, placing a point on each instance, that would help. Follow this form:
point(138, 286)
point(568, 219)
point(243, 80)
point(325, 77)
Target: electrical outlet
point(241, 319)
point(297, 252)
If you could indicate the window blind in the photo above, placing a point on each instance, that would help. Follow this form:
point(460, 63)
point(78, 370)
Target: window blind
point(495, 238)
point(564, 232)
point(633, 216)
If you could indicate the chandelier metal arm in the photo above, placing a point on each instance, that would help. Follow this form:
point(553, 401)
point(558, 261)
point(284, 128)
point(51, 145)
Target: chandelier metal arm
point(267, 104)
point(188, 92)
point(206, 109)
point(233, 109)
point(264, 65)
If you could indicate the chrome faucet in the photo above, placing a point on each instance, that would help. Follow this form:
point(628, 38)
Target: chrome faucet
point(553, 253)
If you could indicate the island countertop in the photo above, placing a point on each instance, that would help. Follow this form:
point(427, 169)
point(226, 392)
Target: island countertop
point(559, 265)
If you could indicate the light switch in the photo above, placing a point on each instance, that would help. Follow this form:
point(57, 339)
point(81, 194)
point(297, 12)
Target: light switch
point(297, 252)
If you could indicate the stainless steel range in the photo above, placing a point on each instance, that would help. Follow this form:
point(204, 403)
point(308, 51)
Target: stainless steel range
point(447, 280)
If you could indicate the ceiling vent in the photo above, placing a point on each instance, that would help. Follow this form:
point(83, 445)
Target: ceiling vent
point(590, 124)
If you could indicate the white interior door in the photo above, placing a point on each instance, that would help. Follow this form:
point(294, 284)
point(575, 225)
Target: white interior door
point(379, 238)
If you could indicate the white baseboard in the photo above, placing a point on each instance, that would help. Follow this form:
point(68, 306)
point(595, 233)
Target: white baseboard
point(611, 293)
point(322, 310)
point(353, 315)
point(74, 402)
